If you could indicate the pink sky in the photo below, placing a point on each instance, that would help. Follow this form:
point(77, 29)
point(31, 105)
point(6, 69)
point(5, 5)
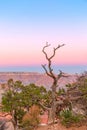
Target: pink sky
point(25, 27)
point(25, 48)
point(30, 54)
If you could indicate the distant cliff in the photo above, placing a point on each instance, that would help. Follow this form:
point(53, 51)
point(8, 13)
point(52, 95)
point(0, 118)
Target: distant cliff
point(36, 78)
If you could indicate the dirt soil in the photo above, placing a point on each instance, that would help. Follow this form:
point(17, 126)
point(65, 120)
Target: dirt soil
point(60, 127)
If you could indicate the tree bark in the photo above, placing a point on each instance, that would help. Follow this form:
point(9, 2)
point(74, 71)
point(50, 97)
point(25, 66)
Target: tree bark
point(49, 72)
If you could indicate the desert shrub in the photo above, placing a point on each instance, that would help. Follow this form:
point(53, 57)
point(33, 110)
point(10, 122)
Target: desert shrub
point(68, 118)
point(31, 119)
point(61, 92)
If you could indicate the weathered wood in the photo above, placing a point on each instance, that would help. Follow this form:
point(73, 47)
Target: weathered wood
point(50, 73)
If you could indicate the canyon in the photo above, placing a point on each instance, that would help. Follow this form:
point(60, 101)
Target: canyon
point(40, 79)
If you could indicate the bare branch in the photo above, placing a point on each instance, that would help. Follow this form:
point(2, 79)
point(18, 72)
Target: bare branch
point(61, 74)
point(60, 102)
point(43, 50)
point(44, 107)
point(75, 98)
point(51, 74)
point(44, 67)
point(54, 50)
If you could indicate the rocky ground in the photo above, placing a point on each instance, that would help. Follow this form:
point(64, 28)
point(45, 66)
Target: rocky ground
point(8, 125)
point(60, 127)
point(5, 121)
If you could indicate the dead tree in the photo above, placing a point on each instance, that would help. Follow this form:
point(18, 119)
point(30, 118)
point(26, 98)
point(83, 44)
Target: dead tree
point(49, 71)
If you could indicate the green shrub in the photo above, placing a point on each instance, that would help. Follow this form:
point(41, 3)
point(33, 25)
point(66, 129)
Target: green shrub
point(68, 118)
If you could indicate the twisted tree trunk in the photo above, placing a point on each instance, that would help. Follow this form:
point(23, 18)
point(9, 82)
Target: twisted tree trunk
point(50, 73)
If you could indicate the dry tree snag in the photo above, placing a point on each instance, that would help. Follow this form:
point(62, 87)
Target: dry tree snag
point(49, 71)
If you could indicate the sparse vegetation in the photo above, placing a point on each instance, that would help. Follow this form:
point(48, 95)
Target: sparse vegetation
point(19, 99)
point(68, 118)
point(32, 118)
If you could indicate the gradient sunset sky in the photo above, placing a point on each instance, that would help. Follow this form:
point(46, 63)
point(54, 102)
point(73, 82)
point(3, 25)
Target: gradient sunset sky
point(26, 25)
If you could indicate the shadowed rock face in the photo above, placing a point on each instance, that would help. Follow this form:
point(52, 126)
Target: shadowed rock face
point(5, 122)
point(6, 125)
point(9, 126)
